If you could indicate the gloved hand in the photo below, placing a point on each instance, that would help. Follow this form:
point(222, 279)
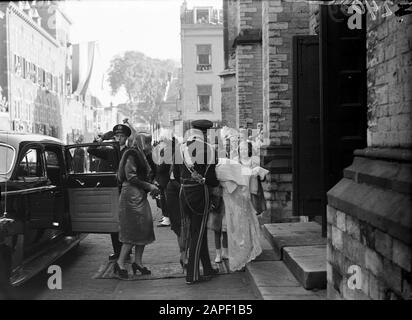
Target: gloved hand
point(108, 136)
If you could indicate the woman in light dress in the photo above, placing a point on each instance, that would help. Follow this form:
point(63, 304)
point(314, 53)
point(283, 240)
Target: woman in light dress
point(243, 229)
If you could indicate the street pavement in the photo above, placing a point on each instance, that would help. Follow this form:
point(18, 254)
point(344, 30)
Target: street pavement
point(81, 264)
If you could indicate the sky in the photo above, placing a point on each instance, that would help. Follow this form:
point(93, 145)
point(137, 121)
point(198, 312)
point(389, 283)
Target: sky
point(148, 26)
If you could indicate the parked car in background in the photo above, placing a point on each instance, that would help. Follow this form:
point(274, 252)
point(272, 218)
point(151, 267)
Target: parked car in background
point(53, 194)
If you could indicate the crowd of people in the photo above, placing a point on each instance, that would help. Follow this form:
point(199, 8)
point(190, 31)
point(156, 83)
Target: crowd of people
point(196, 190)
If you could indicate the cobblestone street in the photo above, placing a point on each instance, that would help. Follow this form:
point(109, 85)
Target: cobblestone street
point(79, 266)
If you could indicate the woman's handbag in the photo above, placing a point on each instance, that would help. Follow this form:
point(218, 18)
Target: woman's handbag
point(257, 197)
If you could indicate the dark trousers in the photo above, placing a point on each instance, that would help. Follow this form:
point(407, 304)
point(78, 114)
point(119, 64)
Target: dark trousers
point(173, 205)
point(161, 203)
point(198, 249)
point(117, 245)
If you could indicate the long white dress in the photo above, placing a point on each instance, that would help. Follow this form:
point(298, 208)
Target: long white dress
point(243, 228)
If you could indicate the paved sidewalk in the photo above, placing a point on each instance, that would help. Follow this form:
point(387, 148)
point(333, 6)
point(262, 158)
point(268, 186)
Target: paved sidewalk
point(79, 266)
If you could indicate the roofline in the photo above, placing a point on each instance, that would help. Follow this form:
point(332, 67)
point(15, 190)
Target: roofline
point(15, 136)
point(34, 25)
point(65, 15)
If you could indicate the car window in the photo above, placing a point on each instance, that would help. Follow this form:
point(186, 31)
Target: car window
point(30, 165)
point(7, 155)
point(52, 160)
point(53, 167)
point(92, 159)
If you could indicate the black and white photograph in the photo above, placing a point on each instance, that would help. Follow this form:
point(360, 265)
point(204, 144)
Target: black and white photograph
point(221, 151)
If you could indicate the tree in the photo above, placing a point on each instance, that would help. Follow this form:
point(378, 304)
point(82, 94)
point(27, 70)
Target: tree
point(144, 80)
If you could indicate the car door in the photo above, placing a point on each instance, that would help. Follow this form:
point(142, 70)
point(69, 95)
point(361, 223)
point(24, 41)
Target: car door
point(33, 193)
point(31, 180)
point(92, 187)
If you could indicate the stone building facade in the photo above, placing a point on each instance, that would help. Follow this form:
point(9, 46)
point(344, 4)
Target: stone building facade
point(202, 62)
point(281, 21)
point(369, 218)
point(34, 63)
point(242, 79)
point(259, 55)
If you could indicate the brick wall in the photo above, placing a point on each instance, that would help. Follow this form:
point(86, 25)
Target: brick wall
point(365, 230)
point(249, 63)
point(228, 89)
point(383, 259)
point(389, 46)
point(250, 14)
point(286, 19)
point(281, 21)
point(249, 84)
point(369, 218)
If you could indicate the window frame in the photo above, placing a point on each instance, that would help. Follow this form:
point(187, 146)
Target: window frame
point(197, 13)
point(13, 159)
point(198, 64)
point(40, 159)
point(210, 109)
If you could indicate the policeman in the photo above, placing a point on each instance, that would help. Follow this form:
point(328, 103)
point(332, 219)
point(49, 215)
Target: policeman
point(198, 177)
point(120, 133)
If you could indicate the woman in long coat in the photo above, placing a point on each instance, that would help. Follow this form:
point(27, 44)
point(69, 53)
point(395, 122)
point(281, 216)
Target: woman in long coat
point(135, 216)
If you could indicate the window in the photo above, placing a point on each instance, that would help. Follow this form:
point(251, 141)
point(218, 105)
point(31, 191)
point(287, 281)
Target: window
point(48, 81)
point(35, 73)
point(204, 57)
point(40, 75)
point(17, 65)
point(55, 84)
point(7, 155)
point(53, 167)
point(51, 158)
point(204, 97)
point(30, 165)
point(202, 15)
point(92, 159)
point(24, 68)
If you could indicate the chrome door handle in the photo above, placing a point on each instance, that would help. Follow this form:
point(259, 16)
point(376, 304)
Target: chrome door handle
point(97, 185)
point(80, 182)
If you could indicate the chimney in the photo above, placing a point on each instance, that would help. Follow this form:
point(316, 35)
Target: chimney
point(26, 7)
point(35, 16)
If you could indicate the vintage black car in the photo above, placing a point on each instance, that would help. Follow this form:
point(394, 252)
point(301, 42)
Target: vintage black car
point(53, 193)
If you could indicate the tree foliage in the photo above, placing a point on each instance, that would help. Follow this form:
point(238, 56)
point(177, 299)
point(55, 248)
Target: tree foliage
point(144, 80)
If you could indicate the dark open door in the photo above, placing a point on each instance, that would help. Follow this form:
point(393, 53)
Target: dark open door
point(307, 186)
point(92, 187)
point(343, 93)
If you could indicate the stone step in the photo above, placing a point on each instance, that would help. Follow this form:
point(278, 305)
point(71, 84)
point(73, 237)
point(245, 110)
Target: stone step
point(271, 280)
point(268, 254)
point(307, 264)
point(281, 235)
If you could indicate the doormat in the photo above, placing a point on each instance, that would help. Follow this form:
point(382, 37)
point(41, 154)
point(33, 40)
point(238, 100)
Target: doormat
point(159, 271)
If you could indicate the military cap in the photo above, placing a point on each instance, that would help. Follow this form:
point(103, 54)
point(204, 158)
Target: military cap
point(202, 124)
point(123, 129)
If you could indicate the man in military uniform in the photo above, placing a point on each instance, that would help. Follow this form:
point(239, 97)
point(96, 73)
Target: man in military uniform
point(198, 178)
point(120, 133)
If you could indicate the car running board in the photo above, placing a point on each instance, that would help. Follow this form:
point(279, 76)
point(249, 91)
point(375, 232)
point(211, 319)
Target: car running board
point(42, 261)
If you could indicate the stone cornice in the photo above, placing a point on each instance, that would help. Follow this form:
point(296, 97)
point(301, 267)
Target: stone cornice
point(227, 72)
point(13, 8)
point(249, 36)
